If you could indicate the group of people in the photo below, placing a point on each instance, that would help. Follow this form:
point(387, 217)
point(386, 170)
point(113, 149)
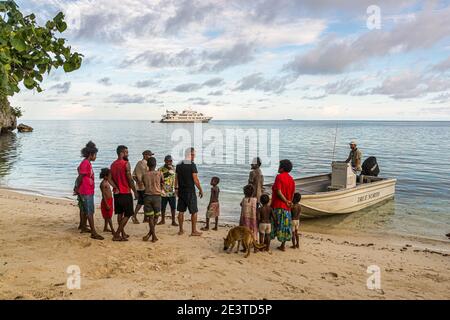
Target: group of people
point(272, 217)
point(267, 217)
point(153, 189)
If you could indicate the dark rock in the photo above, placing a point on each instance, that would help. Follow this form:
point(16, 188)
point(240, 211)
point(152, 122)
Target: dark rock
point(448, 235)
point(8, 120)
point(24, 128)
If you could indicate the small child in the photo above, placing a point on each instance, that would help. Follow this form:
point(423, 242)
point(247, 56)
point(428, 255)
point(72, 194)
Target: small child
point(266, 217)
point(153, 182)
point(107, 199)
point(213, 206)
point(296, 210)
point(248, 211)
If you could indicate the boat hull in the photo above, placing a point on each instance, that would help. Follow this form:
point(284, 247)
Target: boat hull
point(185, 121)
point(344, 201)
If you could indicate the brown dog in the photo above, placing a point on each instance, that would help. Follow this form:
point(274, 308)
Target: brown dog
point(241, 234)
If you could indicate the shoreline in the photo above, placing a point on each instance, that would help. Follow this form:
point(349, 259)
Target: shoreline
point(42, 242)
point(230, 223)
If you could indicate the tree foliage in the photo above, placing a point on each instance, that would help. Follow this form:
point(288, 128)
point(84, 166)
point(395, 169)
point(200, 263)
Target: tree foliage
point(28, 51)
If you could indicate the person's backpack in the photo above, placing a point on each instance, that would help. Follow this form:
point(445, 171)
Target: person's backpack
point(370, 167)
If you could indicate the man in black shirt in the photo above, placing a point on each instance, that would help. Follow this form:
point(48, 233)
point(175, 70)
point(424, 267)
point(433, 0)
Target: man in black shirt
point(186, 179)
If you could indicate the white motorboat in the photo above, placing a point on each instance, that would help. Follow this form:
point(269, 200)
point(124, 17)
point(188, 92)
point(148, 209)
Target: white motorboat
point(341, 191)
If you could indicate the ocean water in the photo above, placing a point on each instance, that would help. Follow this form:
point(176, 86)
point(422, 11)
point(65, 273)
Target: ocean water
point(416, 153)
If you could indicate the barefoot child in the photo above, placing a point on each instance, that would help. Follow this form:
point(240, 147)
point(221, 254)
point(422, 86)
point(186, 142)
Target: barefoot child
point(266, 217)
point(248, 211)
point(296, 211)
point(153, 183)
point(107, 199)
point(213, 206)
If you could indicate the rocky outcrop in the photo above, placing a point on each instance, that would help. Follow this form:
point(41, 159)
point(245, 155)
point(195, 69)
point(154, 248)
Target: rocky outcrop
point(24, 128)
point(8, 120)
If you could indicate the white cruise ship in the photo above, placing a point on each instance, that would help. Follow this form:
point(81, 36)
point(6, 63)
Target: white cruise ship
point(186, 116)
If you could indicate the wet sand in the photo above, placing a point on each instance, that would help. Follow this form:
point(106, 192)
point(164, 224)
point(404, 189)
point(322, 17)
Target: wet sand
point(39, 240)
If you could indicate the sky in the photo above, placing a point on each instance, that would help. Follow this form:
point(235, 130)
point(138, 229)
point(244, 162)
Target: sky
point(251, 60)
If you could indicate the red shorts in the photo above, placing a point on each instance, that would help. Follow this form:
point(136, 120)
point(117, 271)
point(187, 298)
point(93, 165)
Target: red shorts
point(107, 214)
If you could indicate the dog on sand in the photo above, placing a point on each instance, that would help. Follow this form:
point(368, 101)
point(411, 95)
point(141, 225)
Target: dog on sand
point(241, 234)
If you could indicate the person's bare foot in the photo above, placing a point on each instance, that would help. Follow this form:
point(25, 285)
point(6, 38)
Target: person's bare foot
point(281, 248)
point(196, 234)
point(107, 230)
point(85, 230)
point(155, 239)
point(180, 232)
point(146, 238)
point(117, 238)
point(297, 246)
point(204, 229)
point(161, 222)
point(174, 224)
point(96, 236)
point(293, 246)
point(215, 229)
point(126, 236)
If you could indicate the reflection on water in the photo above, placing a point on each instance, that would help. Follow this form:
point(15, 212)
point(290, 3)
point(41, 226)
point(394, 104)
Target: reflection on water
point(8, 152)
point(416, 153)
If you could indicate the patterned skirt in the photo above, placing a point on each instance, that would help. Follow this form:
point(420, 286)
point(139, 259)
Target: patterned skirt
point(283, 232)
point(213, 211)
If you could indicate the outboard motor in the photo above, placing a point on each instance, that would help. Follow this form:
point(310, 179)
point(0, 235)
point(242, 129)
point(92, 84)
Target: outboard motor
point(370, 167)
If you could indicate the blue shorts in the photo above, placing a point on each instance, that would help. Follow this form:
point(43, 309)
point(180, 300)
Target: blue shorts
point(86, 204)
point(168, 200)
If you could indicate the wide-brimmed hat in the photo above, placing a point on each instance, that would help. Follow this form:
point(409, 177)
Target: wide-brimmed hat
point(147, 153)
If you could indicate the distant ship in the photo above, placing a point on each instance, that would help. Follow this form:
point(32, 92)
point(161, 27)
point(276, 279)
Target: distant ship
point(187, 116)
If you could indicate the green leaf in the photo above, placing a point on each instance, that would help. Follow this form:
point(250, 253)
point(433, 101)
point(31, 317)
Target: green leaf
point(61, 26)
point(18, 43)
point(29, 83)
point(69, 67)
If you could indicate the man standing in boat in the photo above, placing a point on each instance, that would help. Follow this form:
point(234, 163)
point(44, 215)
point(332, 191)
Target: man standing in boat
point(355, 157)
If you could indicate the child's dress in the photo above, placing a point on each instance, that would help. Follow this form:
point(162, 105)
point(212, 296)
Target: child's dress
point(248, 215)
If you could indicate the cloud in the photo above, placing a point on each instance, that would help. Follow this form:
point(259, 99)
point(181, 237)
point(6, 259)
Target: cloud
point(318, 97)
point(188, 11)
point(333, 55)
point(145, 83)
point(216, 93)
point(126, 98)
point(61, 88)
point(105, 81)
point(219, 60)
point(187, 87)
point(256, 81)
point(206, 60)
point(441, 98)
point(199, 101)
point(442, 66)
point(155, 59)
point(411, 85)
point(344, 86)
point(214, 82)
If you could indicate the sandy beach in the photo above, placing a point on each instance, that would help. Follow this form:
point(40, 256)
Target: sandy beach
point(39, 240)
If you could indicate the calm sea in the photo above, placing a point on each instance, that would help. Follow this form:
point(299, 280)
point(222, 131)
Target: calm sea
point(416, 153)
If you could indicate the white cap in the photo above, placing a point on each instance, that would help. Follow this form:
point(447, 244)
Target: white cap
point(352, 142)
